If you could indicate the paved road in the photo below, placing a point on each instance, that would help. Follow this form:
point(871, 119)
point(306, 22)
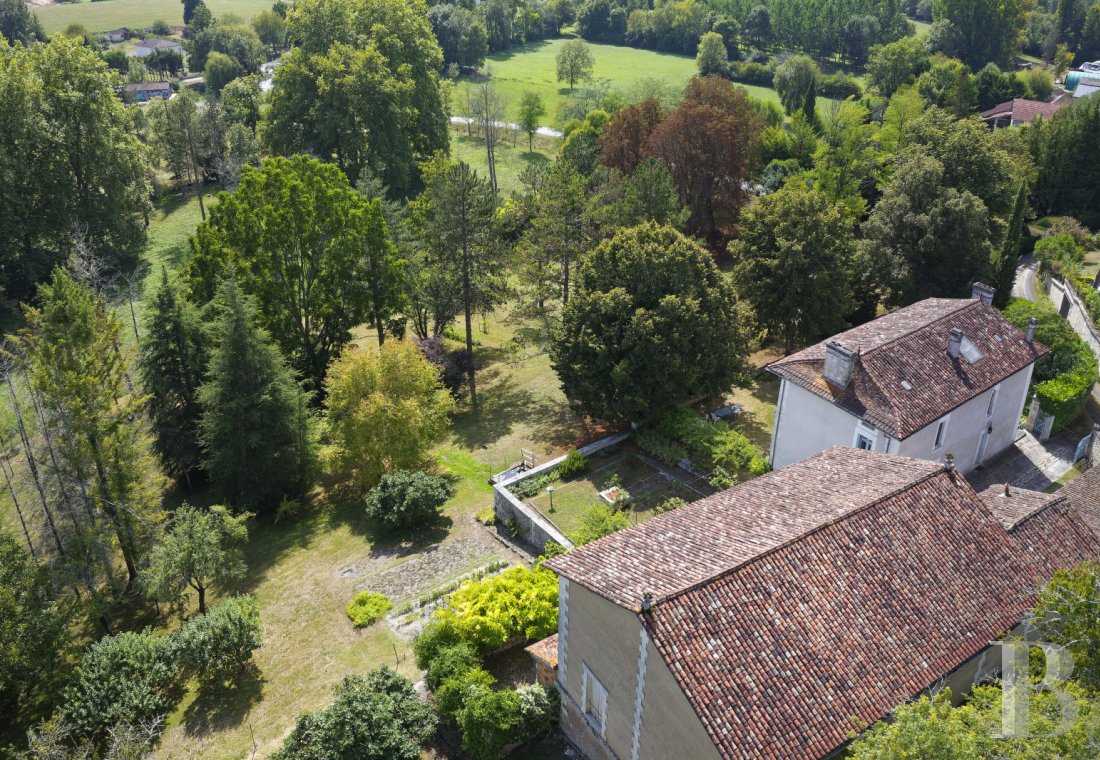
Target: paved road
point(1024, 286)
point(544, 131)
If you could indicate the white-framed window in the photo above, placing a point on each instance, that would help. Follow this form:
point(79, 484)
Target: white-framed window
point(593, 701)
point(941, 433)
point(993, 400)
point(866, 437)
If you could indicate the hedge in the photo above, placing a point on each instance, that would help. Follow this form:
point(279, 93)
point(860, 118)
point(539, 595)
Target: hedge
point(839, 86)
point(1063, 378)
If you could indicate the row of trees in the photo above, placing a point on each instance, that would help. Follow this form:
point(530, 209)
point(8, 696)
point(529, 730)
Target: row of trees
point(825, 29)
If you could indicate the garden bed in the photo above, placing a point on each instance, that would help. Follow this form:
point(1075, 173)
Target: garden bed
point(626, 468)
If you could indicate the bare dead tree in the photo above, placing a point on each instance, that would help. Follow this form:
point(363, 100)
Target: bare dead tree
point(488, 109)
point(28, 450)
point(131, 290)
point(9, 476)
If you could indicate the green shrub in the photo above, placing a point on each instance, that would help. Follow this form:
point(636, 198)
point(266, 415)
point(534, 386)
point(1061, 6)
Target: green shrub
point(600, 521)
point(519, 603)
point(1063, 378)
point(668, 505)
point(752, 73)
point(124, 678)
point(1061, 254)
point(490, 722)
point(406, 499)
point(455, 692)
point(367, 608)
point(550, 550)
point(667, 451)
point(434, 638)
point(525, 489)
point(487, 516)
point(450, 662)
point(217, 645)
point(573, 464)
point(539, 709)
point(1089, 297)
point(378, 717)
point(713, 445)
point(838, 86)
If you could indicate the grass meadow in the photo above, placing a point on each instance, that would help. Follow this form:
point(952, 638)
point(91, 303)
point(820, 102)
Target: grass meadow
point(533, 68)
point(112, 14)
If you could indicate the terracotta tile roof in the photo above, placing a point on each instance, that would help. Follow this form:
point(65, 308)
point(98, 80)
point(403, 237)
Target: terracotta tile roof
point(910, 345)
point(545, 650)
point(1083, 494)
point(1055, 537)
point(694, 543)
point(1018, 504)
point(796, 607)
point(1023, 111)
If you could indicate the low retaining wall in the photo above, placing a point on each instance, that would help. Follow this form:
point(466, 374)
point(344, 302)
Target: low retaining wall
point(535, 528)
point(1066, 301)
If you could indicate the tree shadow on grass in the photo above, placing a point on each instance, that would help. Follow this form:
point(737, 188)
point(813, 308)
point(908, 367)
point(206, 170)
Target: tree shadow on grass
point(269, 538)
point(221, 706)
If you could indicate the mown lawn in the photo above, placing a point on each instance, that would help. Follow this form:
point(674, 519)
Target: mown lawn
point(510, 160)
point(575, 498)
point(112, 14)
point(303, 572)
point(533, 68)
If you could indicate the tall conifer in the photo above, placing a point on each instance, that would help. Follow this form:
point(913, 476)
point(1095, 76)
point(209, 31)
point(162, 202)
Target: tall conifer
point(256, 429)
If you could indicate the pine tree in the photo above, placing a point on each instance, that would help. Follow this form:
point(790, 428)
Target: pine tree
point(173, 363)
point(1004, 267)
point(256, 429)
point(455, 218)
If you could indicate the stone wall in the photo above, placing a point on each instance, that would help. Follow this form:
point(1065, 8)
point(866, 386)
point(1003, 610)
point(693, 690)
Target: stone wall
point(1069, 305)
point(532, 526)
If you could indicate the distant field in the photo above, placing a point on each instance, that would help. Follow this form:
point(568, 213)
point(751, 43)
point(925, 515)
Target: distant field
point(923, 27)
point(112, 14)
point(533, 68)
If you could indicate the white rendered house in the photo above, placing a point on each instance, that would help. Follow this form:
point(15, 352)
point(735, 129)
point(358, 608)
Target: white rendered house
point(943, 376)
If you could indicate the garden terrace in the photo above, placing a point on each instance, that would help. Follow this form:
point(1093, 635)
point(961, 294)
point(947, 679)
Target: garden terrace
point(648, 483)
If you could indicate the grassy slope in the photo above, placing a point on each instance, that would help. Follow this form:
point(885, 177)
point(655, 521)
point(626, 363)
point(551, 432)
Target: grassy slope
point(111, 14)
point(510, 162)
point(533, 68)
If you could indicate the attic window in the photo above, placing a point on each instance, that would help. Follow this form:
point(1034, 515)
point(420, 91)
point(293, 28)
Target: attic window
point(906, 385)
point(969, 351)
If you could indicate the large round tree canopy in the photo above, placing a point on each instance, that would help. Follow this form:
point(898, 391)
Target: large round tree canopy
point(653, 323)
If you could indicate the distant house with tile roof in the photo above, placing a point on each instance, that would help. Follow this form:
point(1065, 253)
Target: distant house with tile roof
point(152, 45)
point(776, 618)
point(1013, 113)
point(943, 376)
point(141, 92)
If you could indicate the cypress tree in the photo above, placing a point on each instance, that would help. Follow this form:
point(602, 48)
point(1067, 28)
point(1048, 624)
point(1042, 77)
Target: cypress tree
point(172, 363)
point(256, 428)
point(1004, 268)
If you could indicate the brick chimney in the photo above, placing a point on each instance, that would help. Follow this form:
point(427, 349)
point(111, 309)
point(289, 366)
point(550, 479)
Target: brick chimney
point(840, 362)
point(979, 291)
point(954, 342)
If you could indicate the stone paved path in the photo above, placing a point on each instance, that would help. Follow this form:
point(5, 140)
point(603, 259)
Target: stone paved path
point(1028, 463)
